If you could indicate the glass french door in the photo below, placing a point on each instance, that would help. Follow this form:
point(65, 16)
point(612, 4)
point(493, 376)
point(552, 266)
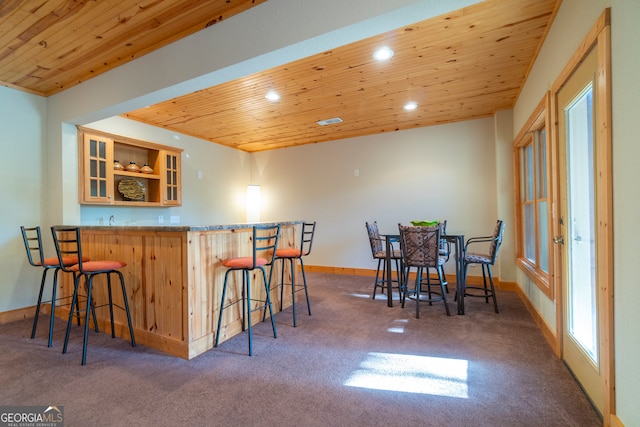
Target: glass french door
point(582, 300)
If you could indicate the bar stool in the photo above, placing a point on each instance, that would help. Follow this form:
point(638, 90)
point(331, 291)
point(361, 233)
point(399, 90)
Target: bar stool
point(379, 252)
point(291, 255)
point(265, 242)
point(486, 260)
point(68, 244)
point(35, 253)
point(444, 249)
point(420, 249)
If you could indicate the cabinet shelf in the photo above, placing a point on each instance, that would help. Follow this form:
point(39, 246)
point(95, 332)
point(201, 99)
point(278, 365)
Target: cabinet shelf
point(98, 181)
point(139, 175)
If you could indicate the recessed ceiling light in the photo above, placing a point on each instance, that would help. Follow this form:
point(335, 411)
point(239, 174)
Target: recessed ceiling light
point(272, 96)
point(410, 106)
point(383, 54)
point(329, 121)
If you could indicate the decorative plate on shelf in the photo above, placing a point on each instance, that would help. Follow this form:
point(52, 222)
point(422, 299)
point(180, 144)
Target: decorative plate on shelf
point(132, 189)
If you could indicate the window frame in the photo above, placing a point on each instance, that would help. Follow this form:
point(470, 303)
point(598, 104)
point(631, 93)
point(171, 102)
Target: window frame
point(539, 120)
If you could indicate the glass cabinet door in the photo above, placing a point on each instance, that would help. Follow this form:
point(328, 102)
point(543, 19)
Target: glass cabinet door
point(98, 169)
point(172, 195)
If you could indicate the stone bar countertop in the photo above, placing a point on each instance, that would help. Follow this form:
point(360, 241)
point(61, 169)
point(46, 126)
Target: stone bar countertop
point(177, 227)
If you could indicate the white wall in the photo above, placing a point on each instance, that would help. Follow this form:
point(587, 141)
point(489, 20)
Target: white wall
point(505, 269)
point(625, 16)
point(21, 185)
point(440, 172)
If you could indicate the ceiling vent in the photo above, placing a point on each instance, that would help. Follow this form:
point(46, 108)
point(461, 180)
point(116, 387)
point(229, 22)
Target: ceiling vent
point(329, 121)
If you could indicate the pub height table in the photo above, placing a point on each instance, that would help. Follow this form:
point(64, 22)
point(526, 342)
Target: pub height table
point(458, 242)
point(389, 239)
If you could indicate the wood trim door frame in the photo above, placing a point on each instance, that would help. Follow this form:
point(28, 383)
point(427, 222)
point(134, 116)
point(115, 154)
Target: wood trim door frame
point(599, 37)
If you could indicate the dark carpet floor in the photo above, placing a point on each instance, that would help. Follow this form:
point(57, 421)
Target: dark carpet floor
point(354, 362)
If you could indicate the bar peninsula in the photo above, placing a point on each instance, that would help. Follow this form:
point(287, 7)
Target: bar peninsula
point(174, 278)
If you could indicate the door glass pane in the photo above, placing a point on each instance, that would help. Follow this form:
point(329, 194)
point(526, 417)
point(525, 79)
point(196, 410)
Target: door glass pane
point(580, 242)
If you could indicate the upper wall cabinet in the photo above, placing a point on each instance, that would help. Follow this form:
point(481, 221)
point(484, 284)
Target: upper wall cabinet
point(115, 170)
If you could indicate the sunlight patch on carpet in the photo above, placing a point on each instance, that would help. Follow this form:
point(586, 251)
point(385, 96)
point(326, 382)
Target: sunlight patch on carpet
point(365, 296)
point(412, 374)
point(399, 328)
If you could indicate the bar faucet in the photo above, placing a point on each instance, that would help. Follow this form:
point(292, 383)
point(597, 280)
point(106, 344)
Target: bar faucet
point(112, 219)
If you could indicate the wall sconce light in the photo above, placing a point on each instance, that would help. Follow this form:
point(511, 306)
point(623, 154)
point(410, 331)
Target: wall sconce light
point(253, 203)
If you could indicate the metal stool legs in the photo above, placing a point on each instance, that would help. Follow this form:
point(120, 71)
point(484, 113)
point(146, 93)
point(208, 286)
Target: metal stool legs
point(292, 271)
point(420, 275)
point(90, 311)
point(487, 293)
point(246, 304)
point(53, 304)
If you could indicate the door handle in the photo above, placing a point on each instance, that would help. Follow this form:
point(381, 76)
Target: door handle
point(558, 239)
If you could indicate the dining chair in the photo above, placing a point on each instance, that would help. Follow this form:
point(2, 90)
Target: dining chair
point(292, 255)
point(264, 244)
point(444, 250)
point(32, 238)
point(68, 243)
point(420, 249)
point(486, 260)
point(379, 253)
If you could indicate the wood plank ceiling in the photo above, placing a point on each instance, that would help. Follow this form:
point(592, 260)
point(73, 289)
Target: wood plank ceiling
point(47, 46)
point(459, 66)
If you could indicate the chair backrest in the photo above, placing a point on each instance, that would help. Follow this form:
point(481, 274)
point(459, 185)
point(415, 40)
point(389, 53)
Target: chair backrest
point(497, 241)
point(265, 242)
point(33, 245)
point(420, 245)
point(306, 239)
point(67, 242)
point(374, 238)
